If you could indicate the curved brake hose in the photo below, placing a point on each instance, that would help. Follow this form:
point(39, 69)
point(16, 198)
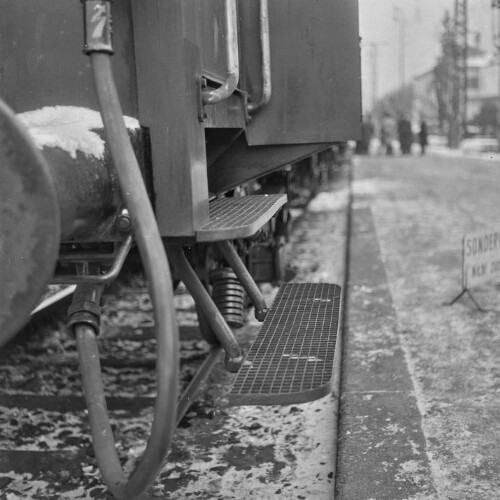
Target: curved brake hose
point(160, 284)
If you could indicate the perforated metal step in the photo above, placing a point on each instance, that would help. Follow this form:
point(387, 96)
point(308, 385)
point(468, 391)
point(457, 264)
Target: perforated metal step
point(239, 217)
point(291, 360)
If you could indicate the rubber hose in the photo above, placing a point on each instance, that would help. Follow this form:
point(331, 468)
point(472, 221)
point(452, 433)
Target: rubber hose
point(157, 272)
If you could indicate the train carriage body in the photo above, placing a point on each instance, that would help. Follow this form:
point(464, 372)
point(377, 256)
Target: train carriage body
point(163, 50)
point(215, 94)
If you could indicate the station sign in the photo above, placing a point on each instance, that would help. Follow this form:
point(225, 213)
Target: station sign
point(481, 258)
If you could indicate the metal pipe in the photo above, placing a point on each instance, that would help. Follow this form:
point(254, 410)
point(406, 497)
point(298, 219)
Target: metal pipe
point(245, 278)
point(192, 390)
point(214, 318)
point(233, 65)
point(266, 58)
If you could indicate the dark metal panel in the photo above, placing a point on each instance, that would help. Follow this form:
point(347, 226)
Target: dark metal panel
point(241, 163)
point(315, 71)
point(167, 69)
point(41, 58)
point(229, 113)
point(203, 25)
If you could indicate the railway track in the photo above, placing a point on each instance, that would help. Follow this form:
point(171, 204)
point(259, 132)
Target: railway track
point(45, 448)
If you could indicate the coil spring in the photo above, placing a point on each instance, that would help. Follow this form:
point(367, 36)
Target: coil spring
point(228, 295)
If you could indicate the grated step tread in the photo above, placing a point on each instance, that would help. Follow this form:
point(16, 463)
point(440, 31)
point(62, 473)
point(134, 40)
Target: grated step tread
point(239, 217)
point(291, 360)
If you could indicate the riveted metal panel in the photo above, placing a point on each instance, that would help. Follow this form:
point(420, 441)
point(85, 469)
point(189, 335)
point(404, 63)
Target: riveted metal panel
point(204, 26)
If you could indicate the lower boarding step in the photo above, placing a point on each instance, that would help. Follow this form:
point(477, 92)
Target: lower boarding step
point(291, 360)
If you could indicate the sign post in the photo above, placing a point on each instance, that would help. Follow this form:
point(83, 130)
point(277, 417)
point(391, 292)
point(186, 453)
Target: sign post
point(480, 261)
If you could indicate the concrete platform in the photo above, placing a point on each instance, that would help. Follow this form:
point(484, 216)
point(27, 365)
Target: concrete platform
point(381, 445)
point(420, 381)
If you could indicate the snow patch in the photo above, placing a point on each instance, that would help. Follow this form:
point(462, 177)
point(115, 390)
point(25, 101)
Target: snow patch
point(69, 128)
point(329, 201)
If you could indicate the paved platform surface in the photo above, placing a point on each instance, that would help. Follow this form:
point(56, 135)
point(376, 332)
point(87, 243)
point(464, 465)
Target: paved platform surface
point(420, 383)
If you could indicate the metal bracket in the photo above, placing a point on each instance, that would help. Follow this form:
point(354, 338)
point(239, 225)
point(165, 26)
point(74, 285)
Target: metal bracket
point(114, 271)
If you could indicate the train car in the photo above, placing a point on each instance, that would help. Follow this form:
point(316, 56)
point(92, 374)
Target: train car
point(138, 123)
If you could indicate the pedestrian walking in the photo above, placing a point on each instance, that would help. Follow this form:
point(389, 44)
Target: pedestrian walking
point(405, 135)
point(367, 129)
point(422, 136)
point(388, 133)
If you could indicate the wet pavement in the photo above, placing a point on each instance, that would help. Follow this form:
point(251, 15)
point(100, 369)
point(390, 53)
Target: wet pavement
point(420, 405)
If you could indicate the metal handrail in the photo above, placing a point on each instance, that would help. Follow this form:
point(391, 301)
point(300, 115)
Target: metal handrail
point(265, 58)
point(233, 65)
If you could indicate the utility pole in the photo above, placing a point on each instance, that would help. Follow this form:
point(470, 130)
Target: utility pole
point(462, 63)
point(458, 118)
point(495, 4)
point(374, 67)
point(373, 55)
point(399, 17)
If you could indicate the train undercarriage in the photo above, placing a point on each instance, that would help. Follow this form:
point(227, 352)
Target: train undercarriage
point(186, 152)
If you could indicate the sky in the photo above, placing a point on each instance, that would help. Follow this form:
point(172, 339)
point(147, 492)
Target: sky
point(421, 22)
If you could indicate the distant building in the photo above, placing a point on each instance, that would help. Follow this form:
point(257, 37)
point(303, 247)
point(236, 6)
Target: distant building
point(483, 88)
point(483, 84)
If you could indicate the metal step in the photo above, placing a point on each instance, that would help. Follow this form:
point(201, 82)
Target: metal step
point(291, 360)
point(239, 217)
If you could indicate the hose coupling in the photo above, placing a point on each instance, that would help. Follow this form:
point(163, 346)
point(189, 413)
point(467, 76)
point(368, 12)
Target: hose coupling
point(85, 307)
point(98, 27)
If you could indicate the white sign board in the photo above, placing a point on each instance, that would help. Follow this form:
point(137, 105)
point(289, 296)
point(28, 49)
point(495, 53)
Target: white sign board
point(481, 258)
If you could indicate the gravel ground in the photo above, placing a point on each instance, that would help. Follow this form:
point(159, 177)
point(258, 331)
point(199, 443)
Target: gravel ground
point(218, 452)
